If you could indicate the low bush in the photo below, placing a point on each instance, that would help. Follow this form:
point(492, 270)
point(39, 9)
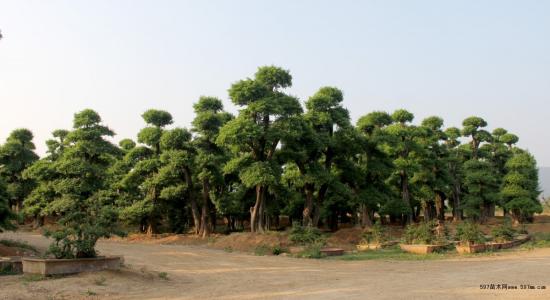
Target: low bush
point(375, 234)
point(469, 233)
point(504, 232)
point(423, 233)
point(312, 251)
point(304, 235)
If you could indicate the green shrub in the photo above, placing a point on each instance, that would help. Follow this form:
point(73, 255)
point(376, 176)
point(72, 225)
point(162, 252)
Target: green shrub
point(304, 235)
point(312, 251)
point(277, 250)
point(376, 234)
point(423, 233)
point(468, 233)
point(504, 232)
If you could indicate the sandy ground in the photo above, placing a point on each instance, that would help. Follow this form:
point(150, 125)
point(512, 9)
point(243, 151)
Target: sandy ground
point(196, 272)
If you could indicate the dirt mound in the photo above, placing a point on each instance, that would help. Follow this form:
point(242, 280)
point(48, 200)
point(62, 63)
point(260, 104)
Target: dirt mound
point(169, 239)
point(8, 251)
point(346, 238)
point(248, 242)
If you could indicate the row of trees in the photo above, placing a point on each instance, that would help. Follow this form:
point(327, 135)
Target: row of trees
point(272, 159)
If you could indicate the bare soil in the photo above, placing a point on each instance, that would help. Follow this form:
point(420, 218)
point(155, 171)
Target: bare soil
point(199, 272)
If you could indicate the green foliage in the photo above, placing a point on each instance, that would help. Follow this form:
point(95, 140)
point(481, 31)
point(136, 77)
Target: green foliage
point(423, 233)
point(504, 233)
point(5, 212)
point(312, 251)
point(163, 275)
point(304, 235)
point(469, 233)
point(375, 234)
point(520, 190)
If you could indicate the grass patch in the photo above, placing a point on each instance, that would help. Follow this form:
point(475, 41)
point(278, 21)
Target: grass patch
point(100, 281)
point(391, 253)
point(163, 275)
point(538, 240)
point(228, 249)
point(262, 250)
point(18, 244)
point(33, 278)
point(312, 251)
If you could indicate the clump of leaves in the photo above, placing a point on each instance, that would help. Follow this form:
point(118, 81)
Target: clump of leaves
point(277, 250)
point(375, 235)
point(469, 233)
point(163, 275)
point(423, 233)
point(504, 232)
point(304, 235)
point(7, 270)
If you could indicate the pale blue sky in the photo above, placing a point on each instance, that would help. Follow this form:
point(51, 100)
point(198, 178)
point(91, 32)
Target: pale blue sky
point(448, 58)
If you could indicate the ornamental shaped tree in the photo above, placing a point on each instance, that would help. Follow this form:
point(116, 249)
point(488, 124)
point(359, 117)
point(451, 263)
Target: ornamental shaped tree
point(480, 182)
point(43, 174)
point(433, 178)
point(255, 134)
point(210, 158)
point(16, 155)
point(405, 151)
point(520, 190)
point(375, 164)
point(144, 180)
point(455, 161)
point(85, 215)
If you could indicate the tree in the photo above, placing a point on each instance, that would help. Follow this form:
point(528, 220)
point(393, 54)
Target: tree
point(145, 180)
point(375, 164)
point(404, 150)
point(254, 135)
point(210, 157)
point(80, 176)
point(43, 174)
point(5, 212)
point(433, 177)
point(480, 182)
point(455, 162)
point(520, 190)
point(16, 155)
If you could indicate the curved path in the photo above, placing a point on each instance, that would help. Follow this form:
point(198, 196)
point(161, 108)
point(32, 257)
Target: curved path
point(195, 272)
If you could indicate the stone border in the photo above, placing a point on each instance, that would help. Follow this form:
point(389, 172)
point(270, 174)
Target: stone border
point(70, 266)
point(421, 249)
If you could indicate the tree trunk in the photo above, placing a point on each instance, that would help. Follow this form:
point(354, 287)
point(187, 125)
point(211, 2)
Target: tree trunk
point(439, 207)
point(255, 213)
point(205, 212)
point(317, 208)
point(406, 196)
point(308, 206)
point(191, 196)
point(366, 220)
point(457, 211)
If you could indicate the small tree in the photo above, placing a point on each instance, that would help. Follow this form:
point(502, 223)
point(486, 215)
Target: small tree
point(85, 213)
point(520, 190)
point(15, 156)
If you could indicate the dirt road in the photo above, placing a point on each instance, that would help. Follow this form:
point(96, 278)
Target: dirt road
point(196, 272)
